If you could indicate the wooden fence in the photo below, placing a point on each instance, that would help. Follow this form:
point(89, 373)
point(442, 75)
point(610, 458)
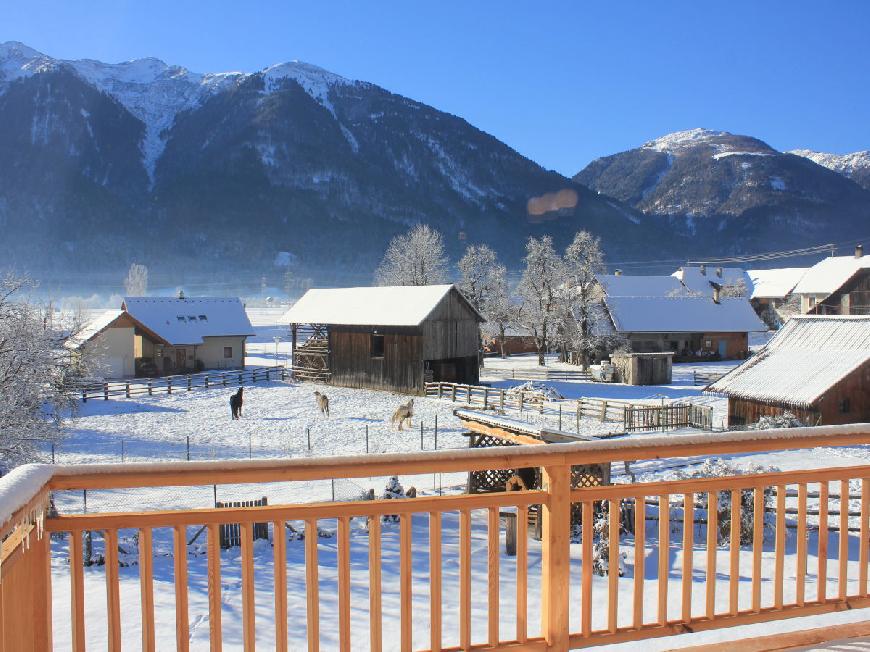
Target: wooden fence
point(667, 417)
point(185, 383)
point(486, 397)
point(705, 377)
point(682, 600)
point(541, 373)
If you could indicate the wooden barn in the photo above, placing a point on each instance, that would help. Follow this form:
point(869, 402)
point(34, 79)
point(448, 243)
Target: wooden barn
point(816, 367)
point(393, 338)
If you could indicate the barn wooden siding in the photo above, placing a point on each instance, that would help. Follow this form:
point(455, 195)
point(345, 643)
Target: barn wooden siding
point(401, 368)
point(855, 389)
point(451, 330)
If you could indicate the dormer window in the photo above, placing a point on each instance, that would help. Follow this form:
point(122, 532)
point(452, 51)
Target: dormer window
point(180, 317)
point(191, 318)
point(203, 318)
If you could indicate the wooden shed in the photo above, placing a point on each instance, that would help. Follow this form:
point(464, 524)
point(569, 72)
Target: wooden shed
point(643, 368)
point(393, 338)
point(816, 367)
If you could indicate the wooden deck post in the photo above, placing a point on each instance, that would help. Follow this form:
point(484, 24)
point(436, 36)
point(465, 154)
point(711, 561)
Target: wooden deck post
point(555, 558)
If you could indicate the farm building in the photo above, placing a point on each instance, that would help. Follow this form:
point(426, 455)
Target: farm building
point(817, 367)
point(621, 285)
point(702, 278)
point(394, 338)
point(838, 285)
point(164, 335)
point(772, 287)
point(517, 340)
point(689, 326)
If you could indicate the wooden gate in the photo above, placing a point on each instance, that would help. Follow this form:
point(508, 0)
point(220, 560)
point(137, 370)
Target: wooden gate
point(231, 533)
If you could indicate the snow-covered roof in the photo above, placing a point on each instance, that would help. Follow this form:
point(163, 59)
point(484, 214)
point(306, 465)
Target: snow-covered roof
point(775, 283)
point(189, 320)
point(93, 328)
point(639, 286)
point(683, 315)
point(392, 305)
point(697, 280)
point(805, 358)
point(829, 274)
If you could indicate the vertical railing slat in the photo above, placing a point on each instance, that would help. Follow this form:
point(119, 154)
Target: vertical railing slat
point(779, 563)
point(344, 584)
point(843, 539)
point(279, 557)
point(407, 617)
point(639, 557)
point(757, 546)
point(146, 588)
point(688, 554)
point(734, 547)
point(182, 618)
point(664, 557)
point(522, 573)
point(801, 574)
point(822, 585)
point(465, 579)
point(435, 581)
point(612, 564)
point(312, 590)
point(493, 574)
point(113, 598)
point(864, 534)
point(712, 549)
point(246, 534)
point(215, 630)
point(77, 591)
point(375, 619)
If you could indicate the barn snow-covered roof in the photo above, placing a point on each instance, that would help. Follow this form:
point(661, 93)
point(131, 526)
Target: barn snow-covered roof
point(806, 357)
point(682, 314)
point(189, 320)
point(639, 286)
point(775, 283)
point(829, 274)
point(394, 305)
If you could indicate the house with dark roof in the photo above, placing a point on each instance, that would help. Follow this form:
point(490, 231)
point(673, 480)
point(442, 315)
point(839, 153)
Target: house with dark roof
point(817, 367)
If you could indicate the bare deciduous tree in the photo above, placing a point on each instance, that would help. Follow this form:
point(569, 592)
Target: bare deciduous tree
point(501, 311)
point(476, 269)
point(415, 258)
point(734, 289)
point(539, 292)
point(136, 281)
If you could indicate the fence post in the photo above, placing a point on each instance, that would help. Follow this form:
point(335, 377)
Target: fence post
point(52, 452)
point(421, 434)
point(485, 397)
point(367, 438)
point(206, 381)
point(560, 416)
point(150, 389)
point(501, 400)
point(308, 434)
point(127, 389)
point(169, 385)
point(453, 392)
point(84, 396)
point(332, 481)
point(106, 391)
point(603, 411)
point(436, 432)
point(188, 448)
point(189, 383)
point(440, 387)
point(122, 451)
point(522, 397)
point(555, 556)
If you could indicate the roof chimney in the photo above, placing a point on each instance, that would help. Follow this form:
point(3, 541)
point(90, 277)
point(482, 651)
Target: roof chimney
point(859, 251)
point(181, 294)
point(703, 270)
point(715, 294)
point(617, 272)
point(719, 272)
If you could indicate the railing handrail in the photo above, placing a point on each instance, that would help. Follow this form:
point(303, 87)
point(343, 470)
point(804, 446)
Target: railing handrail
point(116, 476)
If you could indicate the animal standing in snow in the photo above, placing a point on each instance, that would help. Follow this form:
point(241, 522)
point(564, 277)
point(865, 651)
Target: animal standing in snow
point(236, 404)
point(322, 402)
point(403, 413)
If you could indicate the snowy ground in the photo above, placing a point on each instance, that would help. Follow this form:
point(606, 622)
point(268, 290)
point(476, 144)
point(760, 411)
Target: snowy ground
point(278, 418)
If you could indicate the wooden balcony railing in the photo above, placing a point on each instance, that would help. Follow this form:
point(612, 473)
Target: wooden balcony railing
point(597, 609)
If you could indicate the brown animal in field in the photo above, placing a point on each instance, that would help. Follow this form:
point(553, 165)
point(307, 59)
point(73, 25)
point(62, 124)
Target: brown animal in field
point(322, 402)
point(236, 404)
point(403, 413)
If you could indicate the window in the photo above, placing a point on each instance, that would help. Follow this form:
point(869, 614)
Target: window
point(845, 406)
point(708, 344)
point(377, 345)
point(228, 352)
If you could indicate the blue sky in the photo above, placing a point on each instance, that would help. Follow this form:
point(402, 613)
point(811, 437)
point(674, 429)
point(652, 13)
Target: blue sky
point(561, 82)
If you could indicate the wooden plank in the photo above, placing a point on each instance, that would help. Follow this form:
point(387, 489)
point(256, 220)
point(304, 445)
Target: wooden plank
point(246, 534)
point(344, 584)
point(757, 546)
point(493, 529)
point(312, 590)
point(279, 557)
point(215, 631)
point(664, 557)
point(522, 573)
point(712, 548)
point(688, 554)
point(822, 584)
point(113, 596)
point(586, 580)
point(864, 538)
point(375, 616)
point(405, 579)
point(613, 564)
point(801, 572)
point(779, 560)
point(146, 588)
point(639, 558)
point(182, 622)
point(843, 539)
point(435, 581)
point(734, 546)
point(555, 555)
point(77, 592)
point(464, 579)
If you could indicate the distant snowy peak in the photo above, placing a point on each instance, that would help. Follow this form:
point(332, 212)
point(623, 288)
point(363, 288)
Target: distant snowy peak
point(722, 143)
point(846, 164)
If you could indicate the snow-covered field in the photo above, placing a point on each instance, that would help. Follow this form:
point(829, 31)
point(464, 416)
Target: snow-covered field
point(277, 421)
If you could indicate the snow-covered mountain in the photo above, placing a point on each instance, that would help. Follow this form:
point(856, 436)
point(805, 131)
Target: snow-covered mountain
point(736, 189)
point(101, 164)
point(855, 166)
